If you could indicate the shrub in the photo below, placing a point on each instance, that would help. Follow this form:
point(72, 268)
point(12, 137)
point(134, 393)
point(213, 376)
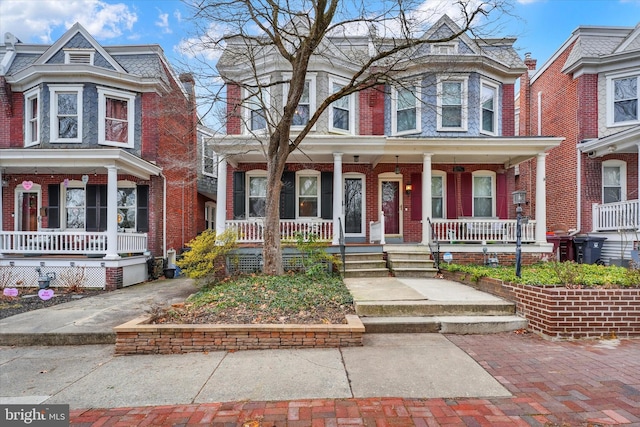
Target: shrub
point(315, 258)
point(73, 279)
point(206, 257)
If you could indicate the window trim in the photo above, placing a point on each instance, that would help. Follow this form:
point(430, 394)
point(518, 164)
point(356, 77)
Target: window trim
point(623, 178)
point(68, 53)
point(352, 115)
point(29, 96)
point(130, 98)
point(263, 91)
point(214, 158)
point(417, 92)
point(134, 186)
point(453, 45)
point(464, 105)
point(483, 173)
point(610, 79)
point(71, 185)
point(54, 130)
point(496, 104)
point(443, 176)
point(363, 214)
point(311, 78)
point(304, 174)
point(248, 175)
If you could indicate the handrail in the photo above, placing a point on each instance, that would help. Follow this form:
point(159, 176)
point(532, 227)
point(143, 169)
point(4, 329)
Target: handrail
point(434, 241)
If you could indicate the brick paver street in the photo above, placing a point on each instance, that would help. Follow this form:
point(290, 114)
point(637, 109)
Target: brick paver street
point(581, 383)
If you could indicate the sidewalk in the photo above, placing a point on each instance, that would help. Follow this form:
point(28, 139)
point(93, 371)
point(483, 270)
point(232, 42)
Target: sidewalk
point(394, 379)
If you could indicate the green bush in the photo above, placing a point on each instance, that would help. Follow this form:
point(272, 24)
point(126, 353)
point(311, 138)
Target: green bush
point(315, 258)
point(206, 257)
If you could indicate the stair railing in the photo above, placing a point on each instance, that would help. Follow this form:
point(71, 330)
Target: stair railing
point(343, 248)
point(434, 246)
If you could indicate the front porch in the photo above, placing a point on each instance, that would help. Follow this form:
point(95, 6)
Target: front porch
point(620, 223)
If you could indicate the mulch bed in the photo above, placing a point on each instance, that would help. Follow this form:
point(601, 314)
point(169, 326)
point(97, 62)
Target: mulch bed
point(29, 300)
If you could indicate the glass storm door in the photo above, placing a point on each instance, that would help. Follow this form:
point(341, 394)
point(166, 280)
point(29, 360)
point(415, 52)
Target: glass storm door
point(390, 192)
point(28, 211)
point(353, 221)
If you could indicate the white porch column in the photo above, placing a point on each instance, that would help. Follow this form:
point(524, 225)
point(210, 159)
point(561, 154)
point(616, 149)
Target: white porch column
point(112, 213)
point(221, 197)
point(337, 197)
point(426, 197)
point(1, 209)
point(637, 191)
point(541, 199)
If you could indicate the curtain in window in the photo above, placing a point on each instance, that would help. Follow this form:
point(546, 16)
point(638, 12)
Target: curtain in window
point(308, 196)
point(257, 196)
point(482, 197)
point(116, 126)
point(625, 106)
point(75, 201)
point(612, 184)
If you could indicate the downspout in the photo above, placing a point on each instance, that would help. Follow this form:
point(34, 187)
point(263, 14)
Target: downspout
point(164, 216)
point(578, 187)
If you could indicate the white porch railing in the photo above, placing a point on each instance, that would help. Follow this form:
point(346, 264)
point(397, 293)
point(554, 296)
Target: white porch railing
point(376, 230)
point(68, 242)
point(616, 216)
point(252, 231)
point(478, 229)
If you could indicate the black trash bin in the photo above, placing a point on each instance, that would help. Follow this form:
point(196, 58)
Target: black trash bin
point(588, 249)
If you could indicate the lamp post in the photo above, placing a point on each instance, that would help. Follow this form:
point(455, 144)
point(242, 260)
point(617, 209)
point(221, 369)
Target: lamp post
point(519, 197)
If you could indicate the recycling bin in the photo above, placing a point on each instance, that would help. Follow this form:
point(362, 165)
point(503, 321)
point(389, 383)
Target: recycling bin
point(588, 249)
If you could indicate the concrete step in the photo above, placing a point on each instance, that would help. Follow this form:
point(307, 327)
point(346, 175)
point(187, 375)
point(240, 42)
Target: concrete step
point(444, 324)
point(365, 264)
point(417, 256)
point(410, 263)
point(373, 256)
point(369, 272)
point(407, 308)
point(415, 272)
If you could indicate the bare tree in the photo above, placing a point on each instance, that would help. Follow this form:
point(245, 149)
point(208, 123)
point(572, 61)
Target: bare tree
point(299, 31)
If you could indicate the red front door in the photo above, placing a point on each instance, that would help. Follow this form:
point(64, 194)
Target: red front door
point(390, 191)
point(28, 212)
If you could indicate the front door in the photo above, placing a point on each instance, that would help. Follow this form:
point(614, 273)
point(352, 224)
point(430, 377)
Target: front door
point(391, 205)
point(354, 206)
point(28, 220)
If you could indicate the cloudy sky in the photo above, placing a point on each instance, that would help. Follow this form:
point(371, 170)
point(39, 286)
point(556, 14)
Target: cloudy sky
point(541, 27)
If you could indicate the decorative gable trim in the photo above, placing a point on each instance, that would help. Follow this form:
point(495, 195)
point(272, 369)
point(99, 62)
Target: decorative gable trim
point(64, 39)
point(634, 37)
point(448, 22)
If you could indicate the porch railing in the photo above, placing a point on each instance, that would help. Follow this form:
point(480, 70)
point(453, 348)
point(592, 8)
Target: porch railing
point(68, 242)
point(476, 230)
point(376, 230)
point(616, 216)
point(252, 231)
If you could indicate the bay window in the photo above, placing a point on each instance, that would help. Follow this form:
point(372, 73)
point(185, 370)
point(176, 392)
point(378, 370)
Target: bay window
point(32, 117)
point(452, 104)
point(116, 117)
point(66, 113)
point(488, 104)
point(406, 110)
point(341, 115)
point(623, 93)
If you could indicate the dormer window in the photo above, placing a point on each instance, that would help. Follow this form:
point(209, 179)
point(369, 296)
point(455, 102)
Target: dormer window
point(445, 48)
point(79, 56)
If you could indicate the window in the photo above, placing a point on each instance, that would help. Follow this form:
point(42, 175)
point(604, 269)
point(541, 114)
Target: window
point(308, 196)
point(209, 216)
point(406, 110)
point(623, 96)
point(437, 194)
point(127, 208)
point(255, 110)
point(445, 49)
point(116, 111)
point(340, 115)
point(32, 117)
point(75, 208)
point(614, 178)
point(488, 103)
point(257, 196)
point(452, 104)
point(209, 159)
point(66, 113)
point(483, 194)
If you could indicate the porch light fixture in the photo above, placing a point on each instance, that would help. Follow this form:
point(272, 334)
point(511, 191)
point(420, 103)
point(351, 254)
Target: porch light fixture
point(397, 167)
point(519, 198)
point(356, 158)
point(407, 188)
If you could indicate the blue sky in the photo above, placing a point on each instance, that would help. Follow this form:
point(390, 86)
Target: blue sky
point(543, 25)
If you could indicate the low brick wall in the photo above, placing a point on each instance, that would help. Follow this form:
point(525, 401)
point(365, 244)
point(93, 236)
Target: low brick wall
point(562, 313)
point(140, 337)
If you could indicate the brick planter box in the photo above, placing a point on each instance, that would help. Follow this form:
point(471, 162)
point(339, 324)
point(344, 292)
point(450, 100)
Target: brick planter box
point(562, 313)
point(140, 337)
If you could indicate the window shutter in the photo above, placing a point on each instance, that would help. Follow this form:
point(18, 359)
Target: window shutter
point(467, 193)
point(239, 203)
point(96, 208)
point(452, 197)
point(142, 208)
point(326, 188)
point(288, 196)
point(502, 209)
point(53, 212)
point(416, 197)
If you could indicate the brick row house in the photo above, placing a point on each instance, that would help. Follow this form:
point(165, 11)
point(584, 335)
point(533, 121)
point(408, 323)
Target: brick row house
point(99, 160)
point(428, 155)
point(588, 92)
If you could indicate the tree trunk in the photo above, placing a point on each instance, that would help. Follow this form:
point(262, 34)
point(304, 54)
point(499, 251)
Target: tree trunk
point(271, 252)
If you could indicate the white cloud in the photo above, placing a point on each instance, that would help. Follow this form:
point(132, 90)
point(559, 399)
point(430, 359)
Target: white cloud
point(163, 23)
point(35, 21)
point(205, 46)
point(178, 15)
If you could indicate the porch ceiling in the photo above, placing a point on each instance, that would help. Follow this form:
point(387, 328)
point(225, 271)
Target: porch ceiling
point(626, 141)
point(74, 161)
point(379, 149)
